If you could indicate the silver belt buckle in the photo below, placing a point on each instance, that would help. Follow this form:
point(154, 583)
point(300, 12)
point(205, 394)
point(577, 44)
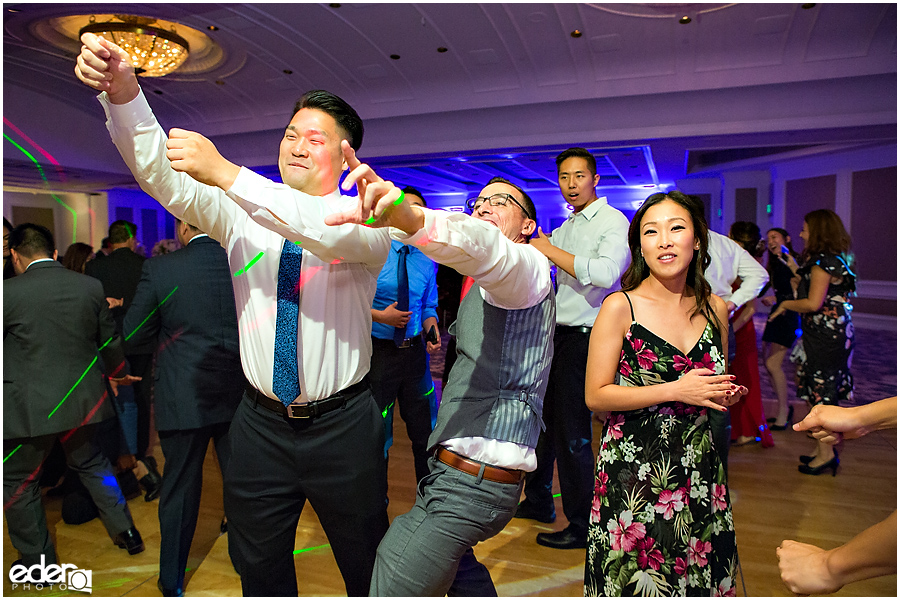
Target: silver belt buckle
point(290, 411)
point(405, 343)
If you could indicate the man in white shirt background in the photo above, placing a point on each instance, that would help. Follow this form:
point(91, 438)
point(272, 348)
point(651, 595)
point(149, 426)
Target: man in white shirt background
point(728, 264)
point(590, 251)
point(308, 428)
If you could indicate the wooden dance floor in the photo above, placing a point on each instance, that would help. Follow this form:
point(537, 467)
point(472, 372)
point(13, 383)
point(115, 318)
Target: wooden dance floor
point(772, 502)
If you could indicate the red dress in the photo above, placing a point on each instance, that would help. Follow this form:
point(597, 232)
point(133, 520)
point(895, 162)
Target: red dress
point(747, 417)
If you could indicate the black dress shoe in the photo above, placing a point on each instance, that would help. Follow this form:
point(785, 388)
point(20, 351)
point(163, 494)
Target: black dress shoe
point(787, 423)
point(177, 592)
point(20, 562)
point(130, 539)
point(566, 539)
point(527, 510)
point(831, 464)
point(152, 481)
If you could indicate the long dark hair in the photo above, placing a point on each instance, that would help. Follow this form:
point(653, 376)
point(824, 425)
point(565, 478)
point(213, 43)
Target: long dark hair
point(772, 257)
point(827, 235)
point(748, 236)
point(638, 270)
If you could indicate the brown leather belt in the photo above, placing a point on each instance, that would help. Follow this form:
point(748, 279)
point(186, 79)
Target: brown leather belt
point(312, 409)
point(473, 467)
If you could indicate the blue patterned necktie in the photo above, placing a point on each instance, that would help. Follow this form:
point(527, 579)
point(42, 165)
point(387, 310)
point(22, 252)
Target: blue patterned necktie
point(286, 384)
point(402, 293)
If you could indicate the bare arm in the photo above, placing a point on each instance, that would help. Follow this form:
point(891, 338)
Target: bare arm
point(831, 424)
point(808, 569)
point(700, 387)
point(818, 288)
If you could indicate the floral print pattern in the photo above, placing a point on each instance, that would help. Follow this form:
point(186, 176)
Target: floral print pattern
point(828, 338)
point(661, 522)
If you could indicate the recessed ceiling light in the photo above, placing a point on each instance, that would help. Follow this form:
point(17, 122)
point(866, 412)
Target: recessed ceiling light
point(157, 92)
point(288, 72)
point(334, 5)
point(12, 10)
point(684, 20)
point(220, 82)
point(212, 28)
point(807, 6)
point(442, 49)
point(395, 56)
point(576, 33)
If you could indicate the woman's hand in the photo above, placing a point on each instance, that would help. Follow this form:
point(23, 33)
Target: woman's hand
point(702, 387)
point(779, 310)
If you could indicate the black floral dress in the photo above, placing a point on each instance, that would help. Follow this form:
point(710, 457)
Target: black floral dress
point(661, 522)
point(828, 338)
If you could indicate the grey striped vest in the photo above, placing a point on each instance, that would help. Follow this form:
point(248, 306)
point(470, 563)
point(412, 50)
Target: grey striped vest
point(496, 387)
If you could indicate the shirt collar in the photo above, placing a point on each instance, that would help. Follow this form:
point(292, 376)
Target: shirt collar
point(40, 260)
point(590, 210)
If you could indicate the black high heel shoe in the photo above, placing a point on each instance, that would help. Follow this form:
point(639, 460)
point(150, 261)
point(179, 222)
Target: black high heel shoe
point(787, 423)
point(831, 464)
point(808, 459)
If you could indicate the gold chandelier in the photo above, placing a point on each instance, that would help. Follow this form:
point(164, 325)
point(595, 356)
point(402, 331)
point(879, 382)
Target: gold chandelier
point(154, 51)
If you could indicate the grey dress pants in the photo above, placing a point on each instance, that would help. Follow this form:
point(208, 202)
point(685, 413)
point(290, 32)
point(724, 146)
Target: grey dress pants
point(421, 552)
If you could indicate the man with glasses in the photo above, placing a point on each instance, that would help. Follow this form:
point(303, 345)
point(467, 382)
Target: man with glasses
point(591, 252)
point(490, 414)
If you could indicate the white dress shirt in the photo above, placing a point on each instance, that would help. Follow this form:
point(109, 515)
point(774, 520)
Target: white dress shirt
point(510, 275)
point(728, 261)
point(338, 272)
point(598, 237)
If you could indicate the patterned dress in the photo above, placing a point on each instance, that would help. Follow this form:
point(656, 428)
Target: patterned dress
point(661, 522)
point(828, 339)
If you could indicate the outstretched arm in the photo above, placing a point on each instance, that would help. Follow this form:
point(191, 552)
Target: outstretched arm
point(831, 424)
point(142, 142)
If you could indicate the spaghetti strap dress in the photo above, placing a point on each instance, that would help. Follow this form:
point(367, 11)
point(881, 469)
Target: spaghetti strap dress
point(661, 521)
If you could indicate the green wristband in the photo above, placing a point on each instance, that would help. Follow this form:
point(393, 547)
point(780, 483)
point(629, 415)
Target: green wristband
point(399, 200)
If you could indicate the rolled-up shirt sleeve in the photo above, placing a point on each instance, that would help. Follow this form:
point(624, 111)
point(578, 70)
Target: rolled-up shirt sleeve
point(512, 275)
point(612, 252)
point(753, 278)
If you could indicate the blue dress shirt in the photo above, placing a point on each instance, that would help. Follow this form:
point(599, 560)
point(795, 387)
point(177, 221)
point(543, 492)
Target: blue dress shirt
point(422, 290)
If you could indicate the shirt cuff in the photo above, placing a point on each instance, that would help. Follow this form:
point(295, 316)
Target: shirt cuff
point(421, 237)
point(128, 114)
point(582, 270)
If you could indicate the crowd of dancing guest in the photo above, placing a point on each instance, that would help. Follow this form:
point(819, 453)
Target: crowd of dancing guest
point(657, 360)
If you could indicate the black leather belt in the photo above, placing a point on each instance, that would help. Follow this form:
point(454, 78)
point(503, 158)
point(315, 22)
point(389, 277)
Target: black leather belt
point(312, 409)
point(410, 341)
point(572, 329)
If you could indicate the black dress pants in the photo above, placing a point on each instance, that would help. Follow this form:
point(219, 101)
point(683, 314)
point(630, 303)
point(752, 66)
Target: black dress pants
point(336, 461)
point(402, 374)
point(568, 436)
point(179, 500)
point(141, 366)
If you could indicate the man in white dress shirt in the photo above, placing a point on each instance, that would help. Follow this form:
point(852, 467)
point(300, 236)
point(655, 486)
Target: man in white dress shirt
point(729, 263)
point(308, 428)
point(590, 251)
point(490, 414)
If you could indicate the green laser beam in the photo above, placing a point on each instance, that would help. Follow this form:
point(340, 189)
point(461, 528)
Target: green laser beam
point(313, 548)
point(557, 495)
point(11, 453)
point(431, 391)
point(47, 183)
point(251, 263)
point(387, 410)
point(73, 387)
point(128, 337)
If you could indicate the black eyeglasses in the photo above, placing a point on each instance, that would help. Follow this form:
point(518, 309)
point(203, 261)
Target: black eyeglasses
point(498, 199)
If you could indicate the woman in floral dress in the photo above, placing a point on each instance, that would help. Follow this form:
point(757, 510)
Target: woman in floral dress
point(826, 283)
point(661, 522)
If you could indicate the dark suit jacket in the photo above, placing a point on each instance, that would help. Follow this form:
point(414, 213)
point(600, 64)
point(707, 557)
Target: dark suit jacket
point(54, 321)
point(199, 380)
point(120, 273)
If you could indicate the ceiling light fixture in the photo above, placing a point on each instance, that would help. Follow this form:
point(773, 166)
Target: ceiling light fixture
point(576, 33)
point(684, 20)
point(154, 51)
